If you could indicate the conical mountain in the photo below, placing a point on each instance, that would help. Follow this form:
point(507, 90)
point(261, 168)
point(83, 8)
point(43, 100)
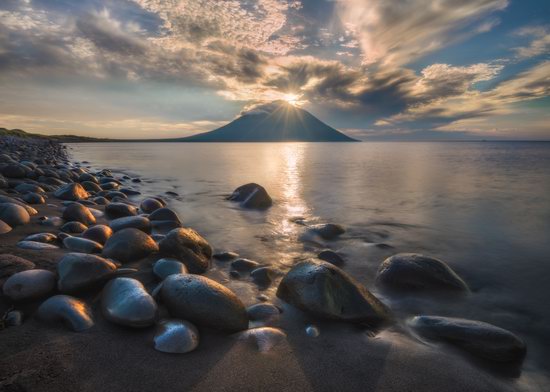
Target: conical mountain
point(277, 121)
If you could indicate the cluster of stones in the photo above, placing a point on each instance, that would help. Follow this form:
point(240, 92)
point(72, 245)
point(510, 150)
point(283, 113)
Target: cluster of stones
point(98, 252)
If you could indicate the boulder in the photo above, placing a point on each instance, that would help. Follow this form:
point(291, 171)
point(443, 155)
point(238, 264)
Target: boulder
point(166, 267)
point(68, 311)
point(26, 188)
point(203, 302)
point(263, 276)
point(82, 245)
point(244, 265)
point(262, 312)
point(10, 264)
point(119, 210)
point(252, 196)
point(33, 198)
point(327, 231)
point(137, 222)
point(47, 238)
point(331, 256)
point(225, 256)
point(176, 336)
point(15, 170)
point(4, 227)
point(79, 213)
point(14, 214)
point(73, 227)
point(149, 205)
point(264, 338)
point(34, 245)
point(98, 233)
point(29, 284)
point(79, 271)
point(325, 291)
point(91, 186)
point(72, 191)
point(129, 245)
point(165, 214)
point(189, 247)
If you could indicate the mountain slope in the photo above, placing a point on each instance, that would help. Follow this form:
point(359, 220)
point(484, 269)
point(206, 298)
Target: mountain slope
point(273, 122)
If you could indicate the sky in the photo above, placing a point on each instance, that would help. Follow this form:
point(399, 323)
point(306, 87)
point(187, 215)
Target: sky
point(374, 69)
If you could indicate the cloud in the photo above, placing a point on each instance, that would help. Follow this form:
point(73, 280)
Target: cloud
point(539, 45)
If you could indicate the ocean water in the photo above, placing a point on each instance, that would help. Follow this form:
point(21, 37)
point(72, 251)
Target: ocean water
point(482, 207)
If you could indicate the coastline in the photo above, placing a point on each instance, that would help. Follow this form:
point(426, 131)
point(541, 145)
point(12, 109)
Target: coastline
point(41, 357)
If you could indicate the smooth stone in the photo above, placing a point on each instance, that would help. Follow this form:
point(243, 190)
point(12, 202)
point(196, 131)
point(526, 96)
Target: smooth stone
point(327, 231)
point(166, 267)
point(33, 245)
point(79, 213)
point(29, 284)
point(119, 210)
point(225, 256)
point(26, 188)
point(136, 222)
point(98, 233)
point(112, 194)
point(176, 336)
point(125, 301)
point(129, 245)
point(91, 186)
point(262, 276)
point(325, 291)
point(109, 186)
point(14, 214)
point(82, 245)
point(251, 196)
point(74, 227)
point(4, 227)
point(312, 331)
point(53, 221)
point(15, 170)
point(418, 272)
point(33, 198)
point(149, 205)
point(244, 265)
point(87, 177)
point(165, 214)
point(204, 302)
point(10, 264)
point(265, 338)
point(66, 310)
point(164, 226)
point(47, 238)
point(96, 213)
point(6, 199)
point(79, 271)
point(262, 311)
point(481, 339)
point(14, 318)
point(72, 191)
point(100, 200)
point(129, 192)
point(331, 256)
point(189, 247)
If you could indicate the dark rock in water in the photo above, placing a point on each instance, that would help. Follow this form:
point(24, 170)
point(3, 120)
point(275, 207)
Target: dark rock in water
point(166, 267)
point(413, 271)
point(262, 311)
point(47, 238)
point(98, 233)
point(119, 210)
point(324, 290)
point(225, 256)
point(91, 186)
point(26, 188)
point(176, 337)
point(14, 214)
point(72, 191)
point(74, 227)
point(244, 265)
point(263, 276)
point(164, 226)
point(129, 192)
point(33, 198)
point(204, 302)
point(136, 180)
point(265, 338)
point(331, 256)
point(129, 245)
point(115, 194)
point(69, 311)
point(136, 222)
point(189, 247)
point(164, 214)
point(481, 339)
point(171, 193)
point(125, 301)
point(87, 177)
point(149, 205)
point(109, 186)
point(100, 200)
point(327, 231)
point(29, 284)
point(82, 245)
point(10, 264)
point(33, 245)
point(15, 170)
point(4, 227)
point(252, 196)
point(79, 271)
point(79, 213)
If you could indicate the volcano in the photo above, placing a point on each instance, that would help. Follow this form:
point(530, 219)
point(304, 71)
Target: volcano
point(277, 121)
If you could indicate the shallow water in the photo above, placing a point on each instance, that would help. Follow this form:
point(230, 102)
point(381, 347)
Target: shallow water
point(482, 207)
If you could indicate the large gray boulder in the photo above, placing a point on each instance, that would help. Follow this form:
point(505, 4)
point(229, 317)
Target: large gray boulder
point(203, 302)
point(189, 247)
point(98, 233)
point(68, 311)
point(324, 290)
point(166, 266)
point(14, 214)
point(411, 271)
point(479, 338)
point(119, 210)
point(29, 284)
point(79, 271)
point(72, 192)
point(15, 170)
point(150, 204)
point(82, 245)
point(79, 213)
point(252, 196)
point(137, 222)
point(129, 245)
point(176, 337)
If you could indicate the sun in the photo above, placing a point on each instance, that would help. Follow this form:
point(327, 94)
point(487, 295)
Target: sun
point(292, 99)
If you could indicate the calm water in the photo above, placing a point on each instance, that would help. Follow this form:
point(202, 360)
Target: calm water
point(482, 207)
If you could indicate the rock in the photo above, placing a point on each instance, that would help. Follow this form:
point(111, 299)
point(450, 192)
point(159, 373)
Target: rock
point(29, 284)
point(129, 245)
point(176, 337)
point(129, 192)
point(5, 199)
point(244, 265)
point(79, 271)
point(3, 182)
point(119, 210)
point(417, 272)
point(53, 221)
point(4, 227)
point(165, 214)
point(82, 245)
point(74, 227)
point(203, 302)
point(327, 231)
point(115, 194)
point(87, 177)
point(33, 245)
point(72, 191)
point(26, 188)
point(262, 311)
point(189, 247)
point(164, 226)
point(100, 200)
point(69, 311)
point(15, 170)
point(108, 186)
point(166, 267)
point(137, 222)
point(312, 331)
point(14, 318)
point(252, 196)
point(98, 233)
point(324, 290)
point(265, 338)
point(331, 256)
point(47, 238)
point(149, 205)
point(33, 198)
point(262, 276)
point(91, 186)
point(225, 256)
point(125, 301)
point(79, 213)
point(14, 214)
point(481, 339)
point(10, 264)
